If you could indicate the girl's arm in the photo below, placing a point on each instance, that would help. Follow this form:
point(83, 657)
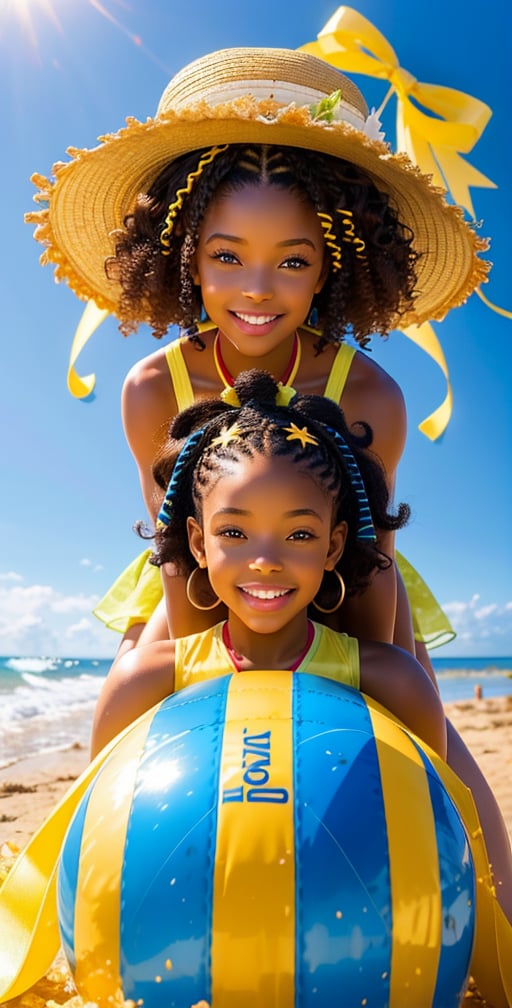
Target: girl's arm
point(397, 681)
point(138, 680)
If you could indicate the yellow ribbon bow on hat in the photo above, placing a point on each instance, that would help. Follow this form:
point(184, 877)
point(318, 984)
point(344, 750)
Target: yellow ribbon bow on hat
point(353, 44)
point(350, 42)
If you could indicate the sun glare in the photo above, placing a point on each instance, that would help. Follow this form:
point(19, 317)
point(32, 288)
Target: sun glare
point(23, 11)
point(27, 15)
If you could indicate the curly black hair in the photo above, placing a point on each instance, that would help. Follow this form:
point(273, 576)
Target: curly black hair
point(365, 297)
point(195, 438)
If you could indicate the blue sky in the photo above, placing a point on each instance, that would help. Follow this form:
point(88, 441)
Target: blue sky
point(71, 70)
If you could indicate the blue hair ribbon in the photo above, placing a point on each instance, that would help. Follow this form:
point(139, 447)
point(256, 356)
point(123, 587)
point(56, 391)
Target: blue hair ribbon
point(165, 513)
point(365, 528)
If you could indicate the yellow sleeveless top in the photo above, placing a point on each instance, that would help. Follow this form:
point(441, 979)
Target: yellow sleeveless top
point(184, 393)
point(204, 656)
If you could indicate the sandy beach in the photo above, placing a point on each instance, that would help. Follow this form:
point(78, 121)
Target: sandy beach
point(29, 790)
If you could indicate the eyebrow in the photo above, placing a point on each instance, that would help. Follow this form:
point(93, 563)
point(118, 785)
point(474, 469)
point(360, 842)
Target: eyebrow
point(296, 513)
point(242, 241)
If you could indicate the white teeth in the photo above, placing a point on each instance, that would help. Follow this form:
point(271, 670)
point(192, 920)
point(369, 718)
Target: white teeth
point(261, 593)
point(256, 319)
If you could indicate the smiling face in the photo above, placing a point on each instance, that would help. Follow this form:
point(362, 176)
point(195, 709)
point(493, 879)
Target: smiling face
point(260, 259)
point(266, 537)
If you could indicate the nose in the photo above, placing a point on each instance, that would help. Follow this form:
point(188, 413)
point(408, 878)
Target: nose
point(257, 287)
point(266, 563)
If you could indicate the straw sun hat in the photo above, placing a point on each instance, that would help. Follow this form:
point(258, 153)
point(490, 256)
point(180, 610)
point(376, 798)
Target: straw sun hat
point(256, 96)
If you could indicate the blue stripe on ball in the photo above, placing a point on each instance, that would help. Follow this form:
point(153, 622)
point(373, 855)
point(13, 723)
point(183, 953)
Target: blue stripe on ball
point(343, 912)
point(457, 892)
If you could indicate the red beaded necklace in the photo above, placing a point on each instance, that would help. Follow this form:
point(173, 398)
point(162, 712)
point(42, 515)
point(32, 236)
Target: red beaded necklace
point(287, 378)
point(237, 659)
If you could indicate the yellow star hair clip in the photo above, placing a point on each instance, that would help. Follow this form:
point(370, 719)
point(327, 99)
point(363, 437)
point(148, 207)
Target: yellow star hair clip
point(300, 434)
point(227, 435)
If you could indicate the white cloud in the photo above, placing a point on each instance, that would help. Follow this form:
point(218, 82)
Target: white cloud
point(85, 562)
point(483, 628)
point(38, 620)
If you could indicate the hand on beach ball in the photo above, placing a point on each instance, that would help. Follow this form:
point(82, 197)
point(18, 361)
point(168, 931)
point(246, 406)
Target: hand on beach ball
point(268, 840)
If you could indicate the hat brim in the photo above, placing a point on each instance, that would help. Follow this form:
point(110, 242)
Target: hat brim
point(97, 188)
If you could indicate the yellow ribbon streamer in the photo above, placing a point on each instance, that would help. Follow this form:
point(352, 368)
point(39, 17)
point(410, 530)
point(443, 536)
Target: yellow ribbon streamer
point(92, 317)
point(434, 142)
point(425, 337)
point(499, 311)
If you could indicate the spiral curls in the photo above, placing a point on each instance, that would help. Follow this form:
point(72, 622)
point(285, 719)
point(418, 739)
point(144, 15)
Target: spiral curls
point(310, 431)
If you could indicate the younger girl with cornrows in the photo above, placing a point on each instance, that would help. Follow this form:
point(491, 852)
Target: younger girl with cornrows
point(224, 461)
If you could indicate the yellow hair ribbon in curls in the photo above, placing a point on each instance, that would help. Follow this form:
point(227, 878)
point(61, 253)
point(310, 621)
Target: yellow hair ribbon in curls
point(330, 238)
point(352, 43)
point(176, 206)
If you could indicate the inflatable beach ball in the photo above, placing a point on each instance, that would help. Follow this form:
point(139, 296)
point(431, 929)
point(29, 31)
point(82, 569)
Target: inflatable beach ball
point(267, 840)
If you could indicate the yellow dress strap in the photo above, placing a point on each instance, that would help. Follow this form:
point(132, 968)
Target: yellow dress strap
point(183, 391)
point(201, 656)
point(339, 372)
point(333, 655)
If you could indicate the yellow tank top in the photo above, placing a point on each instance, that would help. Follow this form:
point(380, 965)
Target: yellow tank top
point(184, 393)
point(204, 656)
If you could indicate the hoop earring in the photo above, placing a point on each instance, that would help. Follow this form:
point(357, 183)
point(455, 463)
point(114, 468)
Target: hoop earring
point(340, 600)
point(203, 608)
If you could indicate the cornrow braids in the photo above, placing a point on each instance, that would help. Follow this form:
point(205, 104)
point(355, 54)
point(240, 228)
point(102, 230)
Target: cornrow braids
point(375, 284)
point(208, 437)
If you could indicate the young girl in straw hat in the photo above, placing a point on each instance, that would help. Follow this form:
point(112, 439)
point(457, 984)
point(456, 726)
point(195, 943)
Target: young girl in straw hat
point(262, 196)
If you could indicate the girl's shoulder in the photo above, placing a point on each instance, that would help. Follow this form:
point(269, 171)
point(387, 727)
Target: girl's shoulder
point(371, 395)
point(176, 366)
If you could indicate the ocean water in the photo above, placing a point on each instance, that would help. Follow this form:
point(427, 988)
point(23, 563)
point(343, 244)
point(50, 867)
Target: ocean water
point(47, 704)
